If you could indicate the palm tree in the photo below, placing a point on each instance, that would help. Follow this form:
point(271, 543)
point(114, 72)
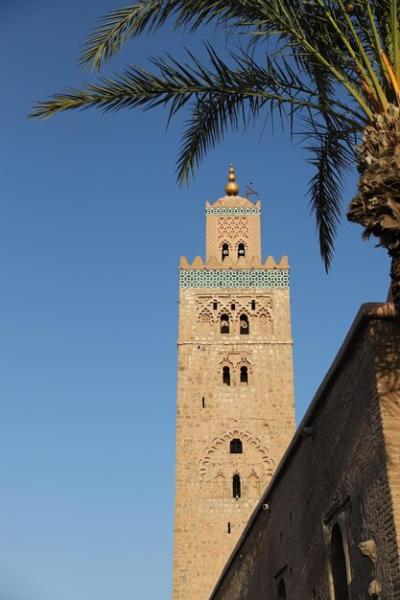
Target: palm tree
point(330, 68)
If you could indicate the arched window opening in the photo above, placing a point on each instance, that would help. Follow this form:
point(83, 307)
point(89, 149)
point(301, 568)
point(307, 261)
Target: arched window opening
point(244, 375)
point(253, 305)
point(236, 487)
point(236, 446)
point(241, 250)
point(226, 376)
point(224, 251)
point(215, 305)
point(233, 306)
point(282, 590)
point(338, 565)
point(244, 325)
point(224, 324)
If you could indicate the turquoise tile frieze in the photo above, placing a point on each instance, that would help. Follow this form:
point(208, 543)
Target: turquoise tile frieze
point(231, 278)
point(232, 212)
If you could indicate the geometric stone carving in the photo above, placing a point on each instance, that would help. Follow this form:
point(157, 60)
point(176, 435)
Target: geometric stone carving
point(233, 229)
point(247, 439)
point(232, 212)
point(233, 278)
point(258, 313)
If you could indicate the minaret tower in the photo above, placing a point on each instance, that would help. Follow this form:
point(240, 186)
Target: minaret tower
point(235, 407)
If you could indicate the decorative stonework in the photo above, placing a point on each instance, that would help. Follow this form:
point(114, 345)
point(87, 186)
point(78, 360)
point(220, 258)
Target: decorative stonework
point(257, 307)
point(234, 305)
point(264, 323)
point(234, 278)
point(253, 484)
point(235, 361)
point(233, 230)
point(233, 263)
point(232, 212)
point(247, 438)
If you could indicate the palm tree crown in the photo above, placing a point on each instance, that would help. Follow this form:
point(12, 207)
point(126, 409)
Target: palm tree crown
point(331, 68)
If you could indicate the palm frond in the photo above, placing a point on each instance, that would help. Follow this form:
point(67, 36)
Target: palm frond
point(175, 83)
point(116, 27)
point(331, 155)
point(205, 128)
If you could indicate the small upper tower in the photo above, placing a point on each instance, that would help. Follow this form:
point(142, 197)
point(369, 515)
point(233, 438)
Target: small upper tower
point(233, 229)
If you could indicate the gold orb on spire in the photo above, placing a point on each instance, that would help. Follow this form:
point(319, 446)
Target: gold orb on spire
point(232, 188)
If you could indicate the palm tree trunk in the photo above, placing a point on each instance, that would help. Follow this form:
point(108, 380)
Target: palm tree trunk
point(395, 278)
point(377, 204)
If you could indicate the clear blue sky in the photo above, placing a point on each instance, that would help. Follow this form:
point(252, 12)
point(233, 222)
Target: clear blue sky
point(92, 226)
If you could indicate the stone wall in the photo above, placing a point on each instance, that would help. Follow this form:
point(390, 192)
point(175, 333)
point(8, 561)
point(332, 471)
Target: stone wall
point(210, 414)
point(328, 524)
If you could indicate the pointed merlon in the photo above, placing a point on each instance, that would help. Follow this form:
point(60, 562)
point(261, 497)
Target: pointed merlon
point(213, 263)
point(283, 263)
point(198, 263)
point(270, 263)
point(242, 262)
point(256, 263)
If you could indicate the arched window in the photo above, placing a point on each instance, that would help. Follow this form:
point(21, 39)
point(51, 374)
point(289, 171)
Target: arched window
point(224, 323)
point(226, 376)
point(236, 446)
point(338, 565)
point(241, 250)
point(244, 375)
point(282, 590)
point(244, 325)
point(253, 305)
point(224, 251)
point(236, 487)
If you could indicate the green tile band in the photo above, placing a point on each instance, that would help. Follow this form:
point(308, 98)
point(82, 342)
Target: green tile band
point(230, 278)
point(232, 212)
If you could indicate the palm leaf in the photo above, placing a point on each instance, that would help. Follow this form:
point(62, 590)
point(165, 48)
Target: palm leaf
point(116, 27)
point(331, 155)
point(175, 83)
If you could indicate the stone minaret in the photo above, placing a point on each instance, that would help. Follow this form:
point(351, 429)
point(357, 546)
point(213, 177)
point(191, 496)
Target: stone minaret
point(235, 407)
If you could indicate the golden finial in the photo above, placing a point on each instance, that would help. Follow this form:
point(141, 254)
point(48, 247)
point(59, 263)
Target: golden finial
point(232, 188)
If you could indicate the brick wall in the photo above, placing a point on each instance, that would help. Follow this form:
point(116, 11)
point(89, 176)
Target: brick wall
point(340, 473)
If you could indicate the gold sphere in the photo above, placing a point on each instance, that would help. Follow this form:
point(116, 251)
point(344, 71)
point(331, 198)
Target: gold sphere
point(232, 188)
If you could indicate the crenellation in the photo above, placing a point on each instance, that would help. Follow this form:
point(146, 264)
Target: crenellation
point(233, 262)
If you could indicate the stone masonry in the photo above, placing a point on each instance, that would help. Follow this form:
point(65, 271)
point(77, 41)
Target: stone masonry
point(328, 525)
point(235, 407)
